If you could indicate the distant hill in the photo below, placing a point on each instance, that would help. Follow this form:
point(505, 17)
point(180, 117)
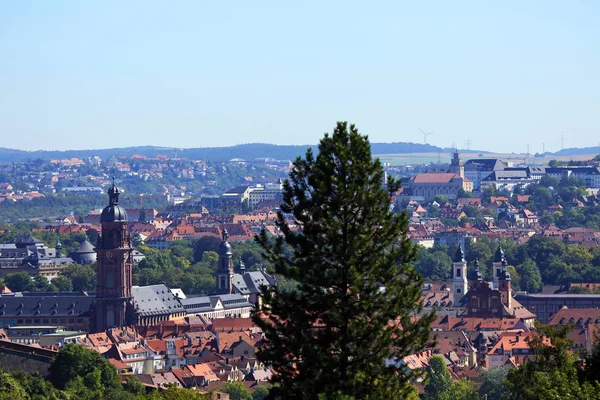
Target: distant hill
point(246, 151)
point(577, 151)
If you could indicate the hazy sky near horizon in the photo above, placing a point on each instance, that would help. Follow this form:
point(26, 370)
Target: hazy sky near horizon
point(81, 75)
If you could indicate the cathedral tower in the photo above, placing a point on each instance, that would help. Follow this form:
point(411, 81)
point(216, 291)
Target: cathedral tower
point(460, 284)
point(113, 268)
point(225, 271)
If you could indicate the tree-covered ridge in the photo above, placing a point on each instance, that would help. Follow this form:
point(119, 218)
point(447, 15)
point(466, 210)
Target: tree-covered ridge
point(248, 151)
point(66, 203)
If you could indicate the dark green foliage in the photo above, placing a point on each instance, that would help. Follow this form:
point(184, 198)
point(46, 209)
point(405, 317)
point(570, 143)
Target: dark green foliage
point(83, 277)
point(440, 385)
point(591, 371)
point(236, 391)
point(62, 283)
point(19, 282)
point(260, 393)
point(37, 387)
point(493, 383)
point(10, 389)
point(530, 278)
point(205, 243)
point(331, 337)
point(541, 198)
point(435, 265)
point(64, 203)
point(134, 385)
point(74, 361)
point(97, 383)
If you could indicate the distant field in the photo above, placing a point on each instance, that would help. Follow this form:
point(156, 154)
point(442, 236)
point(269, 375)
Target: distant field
point(515, 158)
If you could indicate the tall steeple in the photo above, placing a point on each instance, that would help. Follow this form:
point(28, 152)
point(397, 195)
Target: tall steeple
point(59, 252)
point(504, 285)
point(460, 283)
point(475, 275)
point(225, 272)
point(497, 266)
point(114, 267)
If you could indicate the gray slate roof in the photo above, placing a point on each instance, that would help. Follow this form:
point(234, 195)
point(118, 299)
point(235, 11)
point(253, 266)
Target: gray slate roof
point(68, 304)
point(250, 282)
point(155, 300)
point(207, 303)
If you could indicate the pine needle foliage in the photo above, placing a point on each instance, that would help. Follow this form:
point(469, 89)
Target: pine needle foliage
point(339, 335)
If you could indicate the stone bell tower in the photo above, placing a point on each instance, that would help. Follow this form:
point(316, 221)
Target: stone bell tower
point(460, 283)
point(225, 272)
point(113, 268)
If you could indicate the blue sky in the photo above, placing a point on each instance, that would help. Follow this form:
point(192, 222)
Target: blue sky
point(77, 75)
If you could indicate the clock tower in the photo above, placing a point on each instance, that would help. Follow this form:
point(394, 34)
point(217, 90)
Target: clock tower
point(113, 268)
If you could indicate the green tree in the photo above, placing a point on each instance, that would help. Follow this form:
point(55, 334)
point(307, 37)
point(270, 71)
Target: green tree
point(440, 385)
point(579, 290)
point(11, 389)
point(541, 197)
point(36, 386)
point(434, 265)
point(42, 284)
point(260, 393)
point(493, 383)
point(548, 181)
point(82, 277)
point(74, 361)
point(134, 385)
point(63, 283)
point(236, 391)
point(348, 243)
point(530, 278)
point(19, 282)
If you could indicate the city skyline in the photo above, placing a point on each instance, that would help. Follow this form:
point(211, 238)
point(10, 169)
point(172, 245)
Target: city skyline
point(511, 77)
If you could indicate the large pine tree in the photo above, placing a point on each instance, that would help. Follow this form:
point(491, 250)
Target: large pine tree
point(335, 336)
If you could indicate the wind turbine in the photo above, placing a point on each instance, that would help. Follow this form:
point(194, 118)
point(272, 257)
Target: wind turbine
point(425, 134)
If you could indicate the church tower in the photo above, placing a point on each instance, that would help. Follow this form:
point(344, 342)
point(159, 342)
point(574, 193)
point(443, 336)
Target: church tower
point(497, 267)
point(225, 271)
point(460, 283)
point(475, 275)
point(504, 286)
point(456, 165)
point(113, 268)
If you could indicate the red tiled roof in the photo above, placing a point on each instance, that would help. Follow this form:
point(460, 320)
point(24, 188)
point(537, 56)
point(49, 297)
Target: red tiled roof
point(434, 178)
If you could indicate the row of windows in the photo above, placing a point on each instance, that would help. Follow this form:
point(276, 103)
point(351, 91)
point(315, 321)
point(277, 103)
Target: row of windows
point(50, 320)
